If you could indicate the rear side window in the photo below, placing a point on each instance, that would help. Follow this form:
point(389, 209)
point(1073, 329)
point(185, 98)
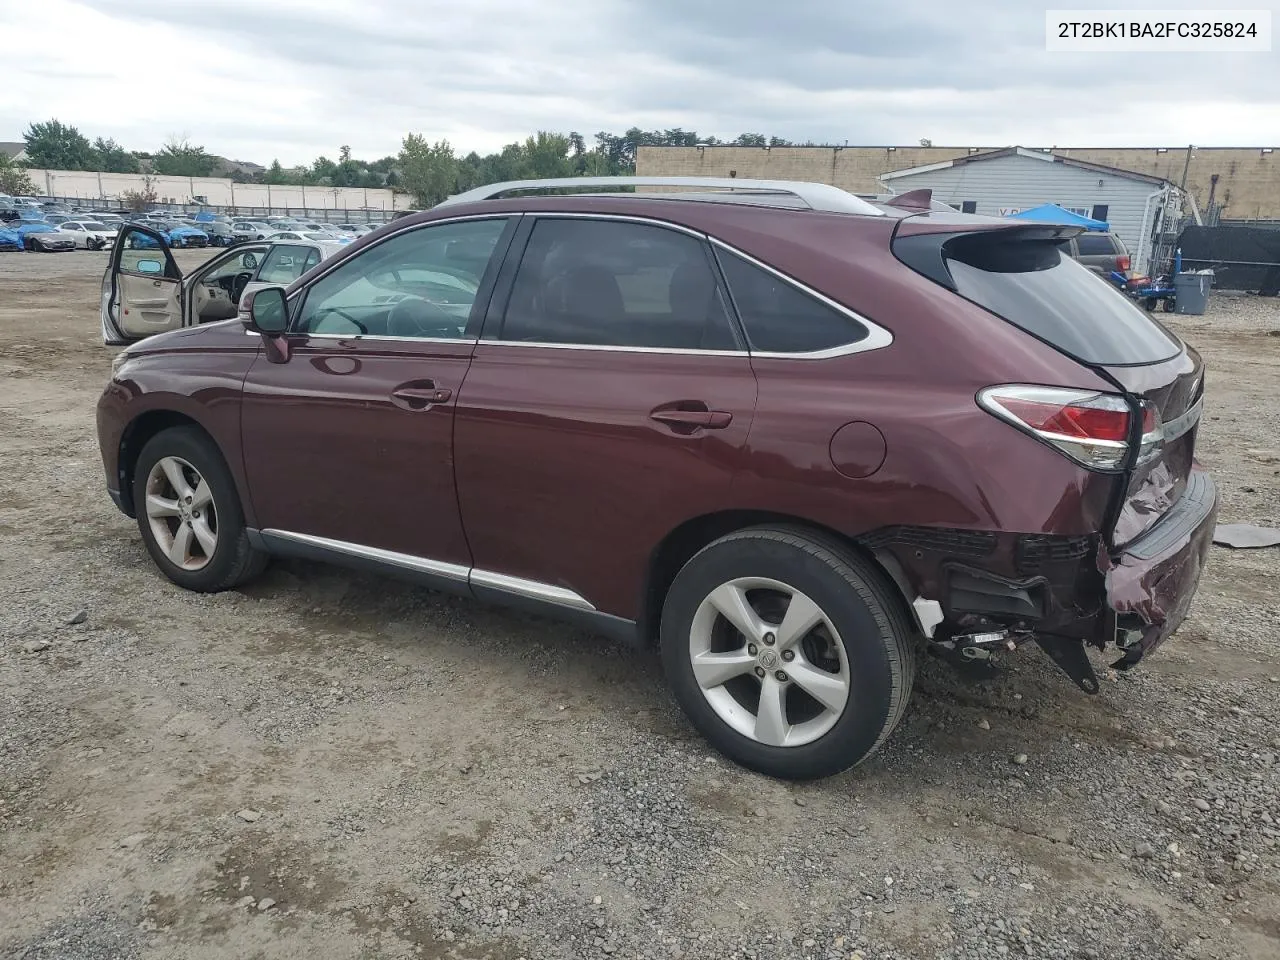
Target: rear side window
point(1094, 244)
point(610, 283)
point(780, 318)
point(1036, 286)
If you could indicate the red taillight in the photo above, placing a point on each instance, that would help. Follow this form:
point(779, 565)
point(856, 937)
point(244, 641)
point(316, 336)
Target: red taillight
point(1068, 419)
point(1091, 428)
point(1122, 264)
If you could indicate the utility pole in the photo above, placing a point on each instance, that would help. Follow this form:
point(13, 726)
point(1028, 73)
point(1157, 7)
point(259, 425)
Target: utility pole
point(1186, 166)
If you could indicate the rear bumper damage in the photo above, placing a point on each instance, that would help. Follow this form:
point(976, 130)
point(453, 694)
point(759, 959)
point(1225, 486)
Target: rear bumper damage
point(1151, 583)
point(987, 592)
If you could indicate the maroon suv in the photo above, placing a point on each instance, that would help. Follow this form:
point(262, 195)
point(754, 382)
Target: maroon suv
point(792, 436)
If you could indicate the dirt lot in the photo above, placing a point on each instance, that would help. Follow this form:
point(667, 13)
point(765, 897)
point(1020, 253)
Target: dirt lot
point(332, 766)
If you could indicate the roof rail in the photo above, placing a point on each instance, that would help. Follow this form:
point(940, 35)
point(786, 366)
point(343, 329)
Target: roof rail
point(817, 196)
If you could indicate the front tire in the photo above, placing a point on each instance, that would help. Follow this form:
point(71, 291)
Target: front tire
point(787, 652)
point(189, 513)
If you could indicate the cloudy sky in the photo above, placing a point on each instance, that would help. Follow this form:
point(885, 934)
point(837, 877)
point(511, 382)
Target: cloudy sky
point(292, 79)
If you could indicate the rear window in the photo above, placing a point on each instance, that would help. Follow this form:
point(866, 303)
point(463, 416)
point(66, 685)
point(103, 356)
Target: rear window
point(1036, 286)
point(1094, 244)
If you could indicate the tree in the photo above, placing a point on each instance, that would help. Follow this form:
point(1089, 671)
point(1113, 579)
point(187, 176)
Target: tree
point(53, 145)
point(181, 158)
point(429, 172)
point(140, 201)
point(113, 158)
point(322, 171)
point(14, 181)
point(275, 174)
point(751, 140)
point(547, 156)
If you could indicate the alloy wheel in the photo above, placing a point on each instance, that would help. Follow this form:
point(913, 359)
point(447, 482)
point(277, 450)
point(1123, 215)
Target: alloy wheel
point(769, 661)
point(181, 513)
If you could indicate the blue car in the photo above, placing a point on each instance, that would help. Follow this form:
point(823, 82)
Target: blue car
point(187, 237)
point(10, 239)
point(176, 236)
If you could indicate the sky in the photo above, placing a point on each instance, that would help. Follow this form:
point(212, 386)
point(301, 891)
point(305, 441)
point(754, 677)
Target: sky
point(294, 79)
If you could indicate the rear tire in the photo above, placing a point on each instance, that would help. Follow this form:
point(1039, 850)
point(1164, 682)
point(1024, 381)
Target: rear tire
point(809, 616)
point(189, 513)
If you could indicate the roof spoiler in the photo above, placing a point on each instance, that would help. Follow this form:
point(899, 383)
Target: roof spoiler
point(925, 253)
point(913, 200)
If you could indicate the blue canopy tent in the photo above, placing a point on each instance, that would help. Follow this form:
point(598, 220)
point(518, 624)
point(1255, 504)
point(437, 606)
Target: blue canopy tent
point(1052, 213)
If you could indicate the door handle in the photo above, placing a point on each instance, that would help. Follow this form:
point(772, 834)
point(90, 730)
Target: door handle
point(420, 397)
point(693, 419)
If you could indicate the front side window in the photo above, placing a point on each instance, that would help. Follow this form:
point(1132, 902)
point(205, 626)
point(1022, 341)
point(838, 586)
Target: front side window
point(610, 283)
point(780, 318)
point(285, 263)
point(422, 283)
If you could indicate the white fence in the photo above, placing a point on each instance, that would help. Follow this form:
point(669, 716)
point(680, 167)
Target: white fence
point(213, 191)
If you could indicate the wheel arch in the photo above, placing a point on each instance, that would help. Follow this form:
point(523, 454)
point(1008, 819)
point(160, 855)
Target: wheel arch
point(680, 545)
point(135, 436)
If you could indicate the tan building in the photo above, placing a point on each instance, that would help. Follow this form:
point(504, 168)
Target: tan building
point(1247, 186)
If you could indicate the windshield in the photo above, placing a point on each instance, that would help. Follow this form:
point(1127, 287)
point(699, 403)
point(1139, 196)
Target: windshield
point(99, 227)
point(1036, 286)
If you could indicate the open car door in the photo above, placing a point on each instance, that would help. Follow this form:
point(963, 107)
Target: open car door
point(142, 288)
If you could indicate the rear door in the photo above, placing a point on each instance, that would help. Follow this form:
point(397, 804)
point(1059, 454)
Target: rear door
point(607, 403)
point(141, 289)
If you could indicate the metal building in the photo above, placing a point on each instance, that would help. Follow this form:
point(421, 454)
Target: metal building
point(1143, 210)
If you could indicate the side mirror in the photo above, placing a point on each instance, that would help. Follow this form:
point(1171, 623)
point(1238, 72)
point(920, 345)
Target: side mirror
point(268, 311)
point(149, 266)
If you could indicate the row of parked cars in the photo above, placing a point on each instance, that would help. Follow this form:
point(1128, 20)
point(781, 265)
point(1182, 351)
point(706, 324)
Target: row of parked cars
point(27, 225)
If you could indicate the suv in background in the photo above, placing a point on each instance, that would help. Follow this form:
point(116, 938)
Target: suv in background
point(1101, 252)
point(787, 434)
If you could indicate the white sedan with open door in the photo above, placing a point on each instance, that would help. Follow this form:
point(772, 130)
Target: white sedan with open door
point(145, 293)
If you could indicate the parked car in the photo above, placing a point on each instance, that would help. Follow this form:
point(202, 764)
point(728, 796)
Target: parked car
point(57, 219)
point(791, 438)
point(10, 239)
point(317, 235)
point(90, 234)
point(1101, 252)
point(22, 213)
point(220, 234)
point(144, 292)
point(175, 234)
point(244, 230)
point(41, 237)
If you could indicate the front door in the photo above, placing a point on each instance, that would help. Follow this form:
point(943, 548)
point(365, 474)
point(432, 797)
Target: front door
point(348, 441)
point(142, 288)
point(605, 406)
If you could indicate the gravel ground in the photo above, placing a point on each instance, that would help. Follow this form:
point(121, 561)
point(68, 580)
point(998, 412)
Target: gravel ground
point(325, 764)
